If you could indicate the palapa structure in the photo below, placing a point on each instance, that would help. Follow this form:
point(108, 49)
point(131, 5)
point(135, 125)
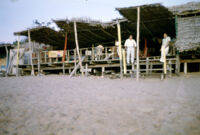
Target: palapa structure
point(188, 26)
point(149, 22)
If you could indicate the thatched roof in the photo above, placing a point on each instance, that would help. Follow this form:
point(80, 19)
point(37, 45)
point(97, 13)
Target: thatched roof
point(188, 37)
point(89, 32)
point(6, 44)
point(43, 34)
point(155, 20)
point(187, 8)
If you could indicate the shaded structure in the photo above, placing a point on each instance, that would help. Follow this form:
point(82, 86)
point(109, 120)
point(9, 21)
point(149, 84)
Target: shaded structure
point(155, 19)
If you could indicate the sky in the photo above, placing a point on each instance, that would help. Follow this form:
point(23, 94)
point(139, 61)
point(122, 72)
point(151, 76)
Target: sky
point(18, 15)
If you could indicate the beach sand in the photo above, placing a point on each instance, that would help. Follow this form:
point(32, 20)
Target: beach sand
point(59, 105)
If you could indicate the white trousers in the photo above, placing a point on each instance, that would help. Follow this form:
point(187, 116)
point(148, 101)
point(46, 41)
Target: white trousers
point(164, 52)
point(130, 54)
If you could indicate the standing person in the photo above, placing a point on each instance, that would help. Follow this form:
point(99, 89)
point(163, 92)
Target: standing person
point(130, 45)
point(165, 46)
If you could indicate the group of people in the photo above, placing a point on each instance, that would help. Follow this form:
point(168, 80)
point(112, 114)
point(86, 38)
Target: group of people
point(130, 45)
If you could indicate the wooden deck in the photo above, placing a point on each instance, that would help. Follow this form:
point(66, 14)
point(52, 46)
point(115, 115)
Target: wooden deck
point(105, 61)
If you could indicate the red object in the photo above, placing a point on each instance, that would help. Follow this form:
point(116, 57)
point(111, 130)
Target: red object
point(65, 47)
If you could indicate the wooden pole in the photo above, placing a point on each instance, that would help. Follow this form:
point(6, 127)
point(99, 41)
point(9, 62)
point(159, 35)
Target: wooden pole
point(77, 47)
point(31, 51)
point(138, 34)
point(120, 47)
point(6, 48)
point(64, 52)
point(17, 62)
point(38, 57)
point(124, 61)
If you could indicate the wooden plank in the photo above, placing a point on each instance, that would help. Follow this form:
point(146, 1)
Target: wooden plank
point(77, 66)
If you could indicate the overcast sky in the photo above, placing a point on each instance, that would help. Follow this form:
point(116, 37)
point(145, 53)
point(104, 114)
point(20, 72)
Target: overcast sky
point(17, 15)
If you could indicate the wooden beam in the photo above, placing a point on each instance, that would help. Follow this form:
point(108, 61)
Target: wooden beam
point(77, 47)
point(138, 38)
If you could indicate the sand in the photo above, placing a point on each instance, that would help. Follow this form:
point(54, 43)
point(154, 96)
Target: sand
point(59, 105)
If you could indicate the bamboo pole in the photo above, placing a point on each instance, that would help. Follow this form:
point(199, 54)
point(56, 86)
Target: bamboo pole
point(64, 52)
point(120, 47)
point(31, 51)
point(138, 34)
point(17, 62)
point(77, 47)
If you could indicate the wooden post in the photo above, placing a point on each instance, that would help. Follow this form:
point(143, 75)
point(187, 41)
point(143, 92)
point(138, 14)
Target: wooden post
point(31, 51)
point(38, 62)
point(120, 47)
point(138, 38)
point(93, 52)
point(45, 57)
point(17, 62)
point(75, 60)
point(177, 63)
point(86, 69)
point(147, 66)
point(185, 67)
point(77, 47)
point(6, 48)
point(64, 52)
point(124, 61)
point(170, 68)
point(102, 71)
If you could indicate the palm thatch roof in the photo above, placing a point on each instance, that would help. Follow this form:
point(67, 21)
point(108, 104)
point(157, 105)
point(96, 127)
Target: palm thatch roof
point(89, 32)
point(155, 20)
point(43, 34)
point(188, 8)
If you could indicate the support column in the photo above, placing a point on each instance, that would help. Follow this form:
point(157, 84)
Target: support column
point(31, 51)
point(102, 71)
point(120, 47)
point(6, 48)
point(17, 62)
point(38, 62)
point(185, 68)
point(138, 40)
point(64, 52)
point(77, 47)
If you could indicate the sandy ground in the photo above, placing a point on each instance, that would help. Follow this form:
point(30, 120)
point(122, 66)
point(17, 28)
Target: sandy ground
point(58, 105)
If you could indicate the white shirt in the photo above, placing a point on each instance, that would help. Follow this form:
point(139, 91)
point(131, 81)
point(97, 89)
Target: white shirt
point(166, 41)
point(130, 43)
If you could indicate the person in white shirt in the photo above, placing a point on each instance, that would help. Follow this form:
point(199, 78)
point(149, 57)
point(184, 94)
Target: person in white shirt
point(130, 45)
point(165, 47)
